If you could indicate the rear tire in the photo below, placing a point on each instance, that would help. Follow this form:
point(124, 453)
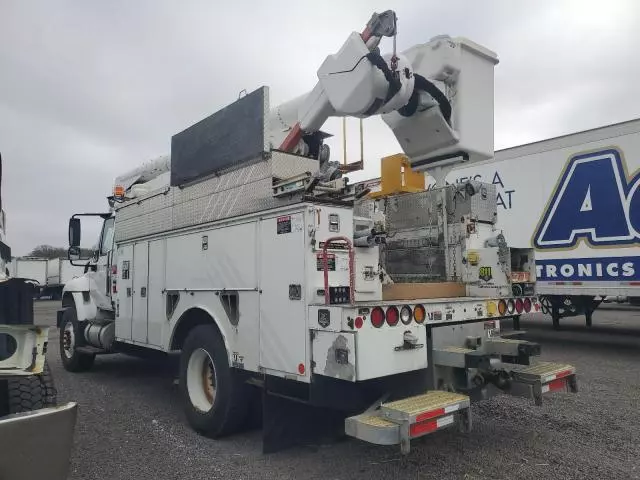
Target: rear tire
point(215, 400)
point(71, 336)
point(25, 394)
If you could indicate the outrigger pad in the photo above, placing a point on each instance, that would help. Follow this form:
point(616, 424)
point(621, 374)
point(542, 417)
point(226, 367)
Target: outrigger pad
point(289, 423)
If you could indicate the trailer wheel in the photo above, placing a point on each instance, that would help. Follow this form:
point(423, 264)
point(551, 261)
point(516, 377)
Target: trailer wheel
point(70, 338)
point(216, 401)
point(25, 394)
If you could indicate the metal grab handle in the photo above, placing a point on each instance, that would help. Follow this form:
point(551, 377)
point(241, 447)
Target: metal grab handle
point(325, 266)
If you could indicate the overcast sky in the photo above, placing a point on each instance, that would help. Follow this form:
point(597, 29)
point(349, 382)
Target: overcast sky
point(90, 89)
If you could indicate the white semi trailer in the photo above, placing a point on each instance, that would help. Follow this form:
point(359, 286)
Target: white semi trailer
point(572, 198)
point(249, 253)
point(59, 272)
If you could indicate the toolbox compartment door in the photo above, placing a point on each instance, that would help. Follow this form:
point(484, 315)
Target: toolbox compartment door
point(283, 329)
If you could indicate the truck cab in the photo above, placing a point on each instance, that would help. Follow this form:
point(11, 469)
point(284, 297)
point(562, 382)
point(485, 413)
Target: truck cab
point(87, 297)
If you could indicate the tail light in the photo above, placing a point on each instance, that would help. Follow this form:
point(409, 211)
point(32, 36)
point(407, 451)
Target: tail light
point(510, 306)
point(392, 316)
point(358, 322)
point(377, 317)
point(419, 314)
point(527, 305)
point(405, 315)
point(502, 307)
point(519, 305)
point(114, 269)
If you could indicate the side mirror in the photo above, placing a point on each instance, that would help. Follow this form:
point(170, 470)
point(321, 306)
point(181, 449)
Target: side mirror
point(74, 253)
point(74, 233)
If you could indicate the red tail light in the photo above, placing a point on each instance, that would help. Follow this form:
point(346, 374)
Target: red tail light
point(519, 305)
point(377, 317)
point(359, 322)
point(393, 316)
point(114, 269)
point(527, 305)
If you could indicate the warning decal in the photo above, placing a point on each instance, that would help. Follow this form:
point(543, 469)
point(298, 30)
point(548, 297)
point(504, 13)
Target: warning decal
point(284, 224)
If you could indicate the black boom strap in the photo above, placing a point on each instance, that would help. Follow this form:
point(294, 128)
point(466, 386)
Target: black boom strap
point(422, 84)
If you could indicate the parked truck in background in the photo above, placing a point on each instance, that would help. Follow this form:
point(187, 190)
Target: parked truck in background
point(47, 275)
point(249, 252)
point(59, 272)
point(36, 435)
point(574, 199)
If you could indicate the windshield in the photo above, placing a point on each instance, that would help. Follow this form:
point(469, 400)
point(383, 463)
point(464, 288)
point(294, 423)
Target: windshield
point(106, 241)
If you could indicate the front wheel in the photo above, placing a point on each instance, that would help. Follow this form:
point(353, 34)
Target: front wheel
point(71, 336)
point(216, 401)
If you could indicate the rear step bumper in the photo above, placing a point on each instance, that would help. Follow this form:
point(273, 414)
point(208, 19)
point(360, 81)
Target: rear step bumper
point(543, 377)
point(401, 421)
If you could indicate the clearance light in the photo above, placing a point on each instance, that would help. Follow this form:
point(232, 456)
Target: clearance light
point(359, 322)
point(502, 307)
point(118, 191)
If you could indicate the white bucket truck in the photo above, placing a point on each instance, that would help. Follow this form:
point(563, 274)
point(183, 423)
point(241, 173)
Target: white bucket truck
point(247, 251)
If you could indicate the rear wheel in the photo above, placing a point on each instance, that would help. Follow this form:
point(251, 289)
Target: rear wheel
point(216, 401)
point(70, 338)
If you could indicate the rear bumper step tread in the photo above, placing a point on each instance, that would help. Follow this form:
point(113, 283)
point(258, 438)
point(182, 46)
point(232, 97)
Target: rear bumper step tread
point(400, 421)
point(544, 377)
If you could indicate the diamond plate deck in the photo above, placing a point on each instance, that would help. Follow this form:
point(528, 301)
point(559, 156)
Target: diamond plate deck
point(240, 191)
point(409, 408)
point(543, 372)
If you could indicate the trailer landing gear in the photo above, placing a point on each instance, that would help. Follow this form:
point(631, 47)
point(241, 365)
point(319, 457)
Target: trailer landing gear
point(562, 306)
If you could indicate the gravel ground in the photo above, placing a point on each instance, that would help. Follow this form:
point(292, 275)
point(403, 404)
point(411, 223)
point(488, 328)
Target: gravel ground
point(130, 424)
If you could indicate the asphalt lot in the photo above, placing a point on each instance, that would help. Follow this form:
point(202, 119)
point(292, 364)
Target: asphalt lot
point(130, 424)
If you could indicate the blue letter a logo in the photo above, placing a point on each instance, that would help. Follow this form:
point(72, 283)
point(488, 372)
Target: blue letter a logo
point(589, 202)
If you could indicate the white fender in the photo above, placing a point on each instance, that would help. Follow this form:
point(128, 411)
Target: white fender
point(79, 288)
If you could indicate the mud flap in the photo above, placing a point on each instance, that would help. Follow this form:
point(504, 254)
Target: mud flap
point(289, 423)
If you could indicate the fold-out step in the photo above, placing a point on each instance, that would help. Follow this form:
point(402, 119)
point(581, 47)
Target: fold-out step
point(400, 421)
point(535, 380)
